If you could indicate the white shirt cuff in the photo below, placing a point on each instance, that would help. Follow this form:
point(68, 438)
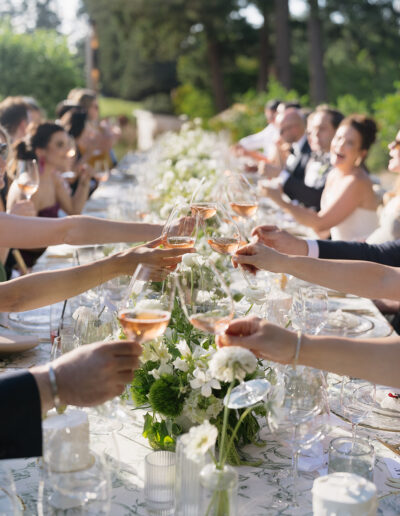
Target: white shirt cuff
point(313, 249)
point(283, 176)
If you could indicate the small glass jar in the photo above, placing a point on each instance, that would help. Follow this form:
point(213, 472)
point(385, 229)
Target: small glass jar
point(352, 456)
point(219, 490)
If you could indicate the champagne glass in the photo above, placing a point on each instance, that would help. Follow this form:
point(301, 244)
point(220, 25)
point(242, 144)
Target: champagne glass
point(145, 312)
point(28, 177)
point(180, 230)
point(205, 298)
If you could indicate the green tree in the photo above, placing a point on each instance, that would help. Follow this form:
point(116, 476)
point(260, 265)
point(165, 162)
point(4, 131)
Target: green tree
point(38, 64)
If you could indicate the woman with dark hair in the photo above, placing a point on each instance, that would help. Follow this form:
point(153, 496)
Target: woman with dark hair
point(49, 144)
point(348, 203)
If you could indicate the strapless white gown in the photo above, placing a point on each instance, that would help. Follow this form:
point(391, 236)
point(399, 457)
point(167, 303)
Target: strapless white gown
point(357, 226)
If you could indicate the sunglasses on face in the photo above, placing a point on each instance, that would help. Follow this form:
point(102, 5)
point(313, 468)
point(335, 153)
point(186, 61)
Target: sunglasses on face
point(3, 151)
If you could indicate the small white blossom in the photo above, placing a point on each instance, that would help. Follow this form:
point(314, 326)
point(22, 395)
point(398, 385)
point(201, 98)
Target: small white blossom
point(255, 295)
point(199, 440)
point(183, 348)
point(197, 408)
point(204, 380)
point(163, 369)
point(181, 364)
point(233, 362)
point(84, 314)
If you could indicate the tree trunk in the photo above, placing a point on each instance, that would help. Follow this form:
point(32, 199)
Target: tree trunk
point(282, 52)
point(217, 78)
point(316, 54)
point(264, 53)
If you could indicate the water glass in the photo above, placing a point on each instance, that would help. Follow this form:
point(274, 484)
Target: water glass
point(159, 483)
point(315, 309)
point(352, 456)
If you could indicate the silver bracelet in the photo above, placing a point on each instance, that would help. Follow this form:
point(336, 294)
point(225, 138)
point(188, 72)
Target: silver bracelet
point(298, 346)
point(54, 391)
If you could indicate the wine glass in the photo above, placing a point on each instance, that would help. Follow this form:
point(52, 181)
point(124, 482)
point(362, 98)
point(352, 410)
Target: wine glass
point(102, 170)
point(145, 312)
point(353, 408)
point(28, 177)
point(203, 209)
point(205, 298)
point(223, 235)
point(180, 230)
point(303, 400)
point(242, 200)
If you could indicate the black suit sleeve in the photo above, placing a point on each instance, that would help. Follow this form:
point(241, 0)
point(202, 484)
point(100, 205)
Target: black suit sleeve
point(21, 422)
point(296, 189)
point(386, 254)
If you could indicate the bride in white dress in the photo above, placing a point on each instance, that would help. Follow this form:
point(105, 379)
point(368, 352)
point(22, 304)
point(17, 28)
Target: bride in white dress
point(348, 203)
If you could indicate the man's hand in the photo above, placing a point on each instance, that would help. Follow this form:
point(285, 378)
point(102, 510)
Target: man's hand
point(280, 240)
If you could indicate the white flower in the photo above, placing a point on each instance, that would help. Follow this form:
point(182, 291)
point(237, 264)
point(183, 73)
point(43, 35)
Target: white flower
point(192, 259)
point(232, 363)
point(181, 364)
point(255, 295)
point(199, 440)
point(197, 408)
point(163, 369)
point(155, 350)
point(84, 314)
point(148, 304)
point(183, 348)
point(204, 380)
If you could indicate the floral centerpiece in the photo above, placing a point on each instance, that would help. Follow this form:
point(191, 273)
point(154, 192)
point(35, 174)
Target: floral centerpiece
point(178, 387)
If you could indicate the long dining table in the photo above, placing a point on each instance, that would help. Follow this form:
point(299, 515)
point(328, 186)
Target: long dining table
point(262, 489)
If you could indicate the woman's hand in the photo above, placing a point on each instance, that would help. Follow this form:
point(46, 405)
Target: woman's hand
point(257, 256)
point(275, 194)
point(265, 340)
point(280, 240)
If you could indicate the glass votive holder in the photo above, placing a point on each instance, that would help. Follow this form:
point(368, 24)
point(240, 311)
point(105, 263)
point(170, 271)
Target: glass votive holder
point(352, 456)
point(159, 482)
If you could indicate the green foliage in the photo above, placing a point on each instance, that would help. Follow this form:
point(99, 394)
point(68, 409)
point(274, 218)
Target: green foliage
point(141, 383)
point(38, 64)
point(349, 104)
point(165, 396)
point(159, 103)
point(110, 107)
point(158, 434)
point(193, 102)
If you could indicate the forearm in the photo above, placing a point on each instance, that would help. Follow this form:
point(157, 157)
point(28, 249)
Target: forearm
point(363, 279)
point(375, 360)
point(54, 286)
point(305, 216)
point(80, 197)
point(4, 254)
point(41, 375)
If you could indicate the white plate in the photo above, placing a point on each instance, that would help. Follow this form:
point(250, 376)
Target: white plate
point(14, 343)
point(38, 319)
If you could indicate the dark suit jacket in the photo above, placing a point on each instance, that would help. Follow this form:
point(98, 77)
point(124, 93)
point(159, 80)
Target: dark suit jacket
point(387, 253)
point(294, 186)
point(20, 416)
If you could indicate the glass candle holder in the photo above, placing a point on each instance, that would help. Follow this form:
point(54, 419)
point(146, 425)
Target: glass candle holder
point(159, 483)
point(352, 456)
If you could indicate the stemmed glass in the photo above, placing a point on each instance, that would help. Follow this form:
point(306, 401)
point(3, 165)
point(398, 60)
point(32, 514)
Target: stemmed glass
point(180, 230)
point(242, 199)
point(102, 171)
point(28, 177)
point(302, 402)
point(353, 407)
point(223, 235)
point(145, 312)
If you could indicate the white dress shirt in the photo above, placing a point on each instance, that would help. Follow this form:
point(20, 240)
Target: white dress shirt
point(264, 140)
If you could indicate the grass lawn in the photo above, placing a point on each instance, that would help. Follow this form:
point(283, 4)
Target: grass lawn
point(111, 107)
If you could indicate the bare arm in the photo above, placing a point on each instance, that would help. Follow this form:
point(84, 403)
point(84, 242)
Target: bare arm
point(31, 232)
point(72, 204)
point(53, 286)
point(376, 360)
point(364, 279)
point(346, 202)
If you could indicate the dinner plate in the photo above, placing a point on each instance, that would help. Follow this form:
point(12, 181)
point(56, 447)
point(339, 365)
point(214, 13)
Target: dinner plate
point(348, 324)
point(37, 320)
point(375, 401)
point(14, 343)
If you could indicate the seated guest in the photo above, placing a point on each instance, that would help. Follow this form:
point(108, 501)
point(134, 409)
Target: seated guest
point(103, 133)
point(84, 377)
point(348, 202)
point(321, 128)
point(263, 140)
point(35, 114)
point(292, 128)
point(49, 144)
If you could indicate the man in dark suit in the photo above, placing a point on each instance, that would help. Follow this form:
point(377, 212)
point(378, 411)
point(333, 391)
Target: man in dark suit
point(308, 188)
point(86, 376)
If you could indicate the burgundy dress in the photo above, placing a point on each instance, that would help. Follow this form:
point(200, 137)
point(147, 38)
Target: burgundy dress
point(30, 256)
